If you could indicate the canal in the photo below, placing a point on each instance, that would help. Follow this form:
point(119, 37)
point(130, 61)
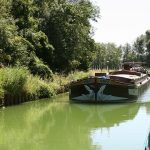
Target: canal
point(58, 124)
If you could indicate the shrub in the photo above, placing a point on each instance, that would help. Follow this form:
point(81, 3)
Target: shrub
point(13, 79)
point(38, 68)
point(18, 81)
point(45, 90)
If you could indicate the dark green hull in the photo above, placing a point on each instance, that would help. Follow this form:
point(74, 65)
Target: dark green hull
point(105, 90)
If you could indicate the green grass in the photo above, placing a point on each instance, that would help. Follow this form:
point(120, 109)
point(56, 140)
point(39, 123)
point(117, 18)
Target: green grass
point(18, 81)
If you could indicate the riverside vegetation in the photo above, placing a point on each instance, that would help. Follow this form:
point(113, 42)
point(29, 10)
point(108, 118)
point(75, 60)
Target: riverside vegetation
point(43, 41)
point(18, 85)
point(40, 41)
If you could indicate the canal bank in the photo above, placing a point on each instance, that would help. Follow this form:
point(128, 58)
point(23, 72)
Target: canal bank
point(18, 85)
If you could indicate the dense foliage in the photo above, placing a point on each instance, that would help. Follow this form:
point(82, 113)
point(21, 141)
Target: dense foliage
point(47, 35)
point(107, 55)
point(56, 36)
point(139, 51)
point(19, 83)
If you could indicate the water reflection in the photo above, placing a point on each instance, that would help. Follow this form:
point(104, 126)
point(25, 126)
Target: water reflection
point(145, 94)
point(127, 135)
point(108, 115)
point(61, 125)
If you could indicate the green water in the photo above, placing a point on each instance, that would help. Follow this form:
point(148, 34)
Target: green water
point(60, 125)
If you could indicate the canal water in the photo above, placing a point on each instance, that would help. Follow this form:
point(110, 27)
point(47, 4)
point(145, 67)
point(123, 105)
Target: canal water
point(57, 124)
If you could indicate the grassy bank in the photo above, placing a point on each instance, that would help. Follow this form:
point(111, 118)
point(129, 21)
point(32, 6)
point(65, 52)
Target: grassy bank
point(18, 85)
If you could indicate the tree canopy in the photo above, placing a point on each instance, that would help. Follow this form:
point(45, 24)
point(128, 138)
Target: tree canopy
point(107, 55)
point(57, 32)
point(140, 50)
point(56, 36)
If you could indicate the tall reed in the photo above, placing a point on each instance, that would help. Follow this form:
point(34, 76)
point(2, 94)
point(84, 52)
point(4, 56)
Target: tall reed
point(18, 84)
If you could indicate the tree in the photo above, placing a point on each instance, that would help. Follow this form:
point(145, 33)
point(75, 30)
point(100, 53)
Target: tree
point(114, 55)
point(14, 48)
point(56, 32)
point(100, 56)
point(107, 55)
point(139, 47)
point(147, 40)
point(69, 30)
point(142, 47)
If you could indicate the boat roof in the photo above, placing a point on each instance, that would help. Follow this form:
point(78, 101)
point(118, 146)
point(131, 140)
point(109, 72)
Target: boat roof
point(134, 63)
point(128, 76)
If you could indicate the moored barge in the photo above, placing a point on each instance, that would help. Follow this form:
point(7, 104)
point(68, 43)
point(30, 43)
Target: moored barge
point(118, 86)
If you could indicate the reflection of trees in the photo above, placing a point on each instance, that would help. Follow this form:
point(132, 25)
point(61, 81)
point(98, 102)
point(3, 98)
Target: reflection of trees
point(45, 125)
point(41, 125)
point(106, 115)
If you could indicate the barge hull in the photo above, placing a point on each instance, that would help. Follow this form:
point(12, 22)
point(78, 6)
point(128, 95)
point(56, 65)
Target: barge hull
point(105, 90)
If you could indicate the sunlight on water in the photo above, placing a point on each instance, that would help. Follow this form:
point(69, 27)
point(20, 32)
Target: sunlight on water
point(145, 96)
point(126, 135)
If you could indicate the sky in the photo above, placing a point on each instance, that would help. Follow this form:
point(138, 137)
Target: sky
point(121, 21)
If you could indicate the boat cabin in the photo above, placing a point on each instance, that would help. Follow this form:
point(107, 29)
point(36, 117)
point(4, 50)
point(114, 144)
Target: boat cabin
point(134, 66)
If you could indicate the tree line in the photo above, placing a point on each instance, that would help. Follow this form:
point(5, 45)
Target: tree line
point(107, 55)
point(56, 36)
point(112, 56)
point(47, 35)
point(139, 50)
